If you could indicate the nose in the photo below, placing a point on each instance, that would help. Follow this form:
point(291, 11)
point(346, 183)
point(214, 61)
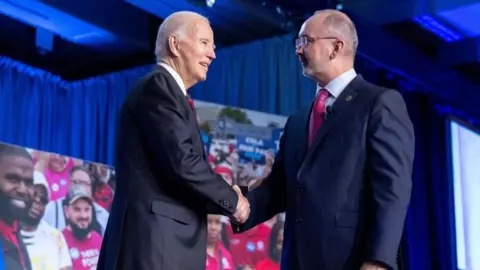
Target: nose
point(299, 50)
point(211, 54)
point(84, 214)
point(24, 190)
point(37, 199)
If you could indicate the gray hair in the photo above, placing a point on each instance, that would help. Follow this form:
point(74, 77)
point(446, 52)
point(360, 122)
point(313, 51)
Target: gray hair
point(176, 24)
point(338, 23)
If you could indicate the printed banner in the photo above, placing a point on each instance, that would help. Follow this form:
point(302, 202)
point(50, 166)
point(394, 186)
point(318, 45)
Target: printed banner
point(43, 194)
point(46, 196)
point(242, 148)
point(251, 149)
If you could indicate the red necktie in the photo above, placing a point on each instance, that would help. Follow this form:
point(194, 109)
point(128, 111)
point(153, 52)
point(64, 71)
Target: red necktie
point(318, 114)
point(190, 101)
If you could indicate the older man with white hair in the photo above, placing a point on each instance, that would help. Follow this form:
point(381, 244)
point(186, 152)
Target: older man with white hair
point(165, 187)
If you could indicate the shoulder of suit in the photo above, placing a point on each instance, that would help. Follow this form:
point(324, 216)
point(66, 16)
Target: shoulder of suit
point(297, 115)
point(374, 91)
point(162, 82)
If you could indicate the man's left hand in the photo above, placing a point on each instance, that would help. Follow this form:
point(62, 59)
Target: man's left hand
point(372, 266)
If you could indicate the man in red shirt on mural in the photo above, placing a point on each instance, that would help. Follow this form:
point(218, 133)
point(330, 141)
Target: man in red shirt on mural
point(83, 241)
point(16, 188)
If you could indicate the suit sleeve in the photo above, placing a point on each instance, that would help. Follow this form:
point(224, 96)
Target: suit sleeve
point(270, 197)
point(391, 146)
point(163, 124)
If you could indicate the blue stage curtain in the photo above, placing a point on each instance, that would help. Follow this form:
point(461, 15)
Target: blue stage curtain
point(263, 75)
point(41, 111)
point(429, 236)
point(78, 119)
point(429, 239)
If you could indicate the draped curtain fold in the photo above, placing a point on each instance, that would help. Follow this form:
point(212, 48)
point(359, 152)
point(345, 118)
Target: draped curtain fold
point(42, 111)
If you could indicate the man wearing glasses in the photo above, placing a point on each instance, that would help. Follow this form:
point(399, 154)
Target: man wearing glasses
point(45, 245)
point(55, 210)
point(343, 170)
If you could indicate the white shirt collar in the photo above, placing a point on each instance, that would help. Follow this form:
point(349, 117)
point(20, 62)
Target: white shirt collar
point(337, 85)
point(176, 76)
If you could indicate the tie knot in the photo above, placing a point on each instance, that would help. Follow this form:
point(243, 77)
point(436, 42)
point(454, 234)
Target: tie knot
point(190, 102)
point(323, 94)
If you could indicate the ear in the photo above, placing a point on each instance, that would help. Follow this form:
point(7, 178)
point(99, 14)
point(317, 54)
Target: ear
point(65, 211)
point(338, 46)
point(173, 45)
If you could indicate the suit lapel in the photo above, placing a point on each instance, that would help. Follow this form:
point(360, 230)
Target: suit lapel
point(303, 130)
point(184, 101)
point(340, 105)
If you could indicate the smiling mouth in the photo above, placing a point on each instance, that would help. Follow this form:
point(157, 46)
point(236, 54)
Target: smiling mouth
point(19, 203)
point(204, 65)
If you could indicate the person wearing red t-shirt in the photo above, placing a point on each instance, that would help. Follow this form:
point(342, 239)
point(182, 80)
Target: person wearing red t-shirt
point(225, 173)
point(83, 241)
point(102, 192)
point(16, 190)
point(218, 257)
point(274, 249)
point(250, 247)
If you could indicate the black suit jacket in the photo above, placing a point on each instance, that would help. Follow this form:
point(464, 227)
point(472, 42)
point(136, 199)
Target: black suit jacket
point(346, 196)
point(11, 257)
point(165, 187)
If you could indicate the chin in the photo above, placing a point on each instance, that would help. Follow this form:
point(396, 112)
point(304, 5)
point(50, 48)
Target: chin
point(202, 77)
point(307, 72)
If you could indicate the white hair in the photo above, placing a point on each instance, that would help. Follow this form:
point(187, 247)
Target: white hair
point(176, 24)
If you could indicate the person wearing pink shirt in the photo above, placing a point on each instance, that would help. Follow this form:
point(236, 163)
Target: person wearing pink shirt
point(57, 172)
point(84, 243)
point(218, 256)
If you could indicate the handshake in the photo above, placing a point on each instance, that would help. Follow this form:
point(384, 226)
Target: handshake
point(243, 207)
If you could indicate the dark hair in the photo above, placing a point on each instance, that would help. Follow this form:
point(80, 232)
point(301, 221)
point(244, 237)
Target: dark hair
point(224, 237)
point(272, 247)
point(11, 150)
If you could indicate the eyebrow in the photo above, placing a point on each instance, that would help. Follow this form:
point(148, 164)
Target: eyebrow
point(209, 41)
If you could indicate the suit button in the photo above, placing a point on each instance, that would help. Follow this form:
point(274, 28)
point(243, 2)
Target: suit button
point(299, 190)
point(299, 220)
point(226, 204)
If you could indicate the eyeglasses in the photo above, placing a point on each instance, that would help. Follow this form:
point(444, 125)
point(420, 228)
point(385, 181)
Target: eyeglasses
point(304, 40)
point(42, 198)
point(80, 182)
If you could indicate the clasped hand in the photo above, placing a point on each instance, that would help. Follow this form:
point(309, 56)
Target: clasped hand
point(243, 207)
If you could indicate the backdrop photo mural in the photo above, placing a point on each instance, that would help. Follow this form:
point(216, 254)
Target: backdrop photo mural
point(54, 209)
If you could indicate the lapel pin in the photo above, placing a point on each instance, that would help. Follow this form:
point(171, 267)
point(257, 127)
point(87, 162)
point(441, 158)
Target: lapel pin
point(348, 98)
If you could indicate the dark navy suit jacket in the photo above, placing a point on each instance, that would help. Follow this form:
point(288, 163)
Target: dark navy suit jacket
point(165, 187)
point(346, 196)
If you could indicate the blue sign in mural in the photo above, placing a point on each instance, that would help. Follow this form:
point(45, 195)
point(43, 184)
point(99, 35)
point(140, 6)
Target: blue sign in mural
point(276, 135)
point(206, 142)
point(253, 149)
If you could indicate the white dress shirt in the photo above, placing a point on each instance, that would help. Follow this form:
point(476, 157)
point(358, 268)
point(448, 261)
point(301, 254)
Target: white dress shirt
point(176, 76)
point(337, 85)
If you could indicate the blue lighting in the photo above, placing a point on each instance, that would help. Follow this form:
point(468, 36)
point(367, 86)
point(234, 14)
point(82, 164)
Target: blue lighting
point(40, 15)
point(466, 19)
point(444, 32)
point(158, 8)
